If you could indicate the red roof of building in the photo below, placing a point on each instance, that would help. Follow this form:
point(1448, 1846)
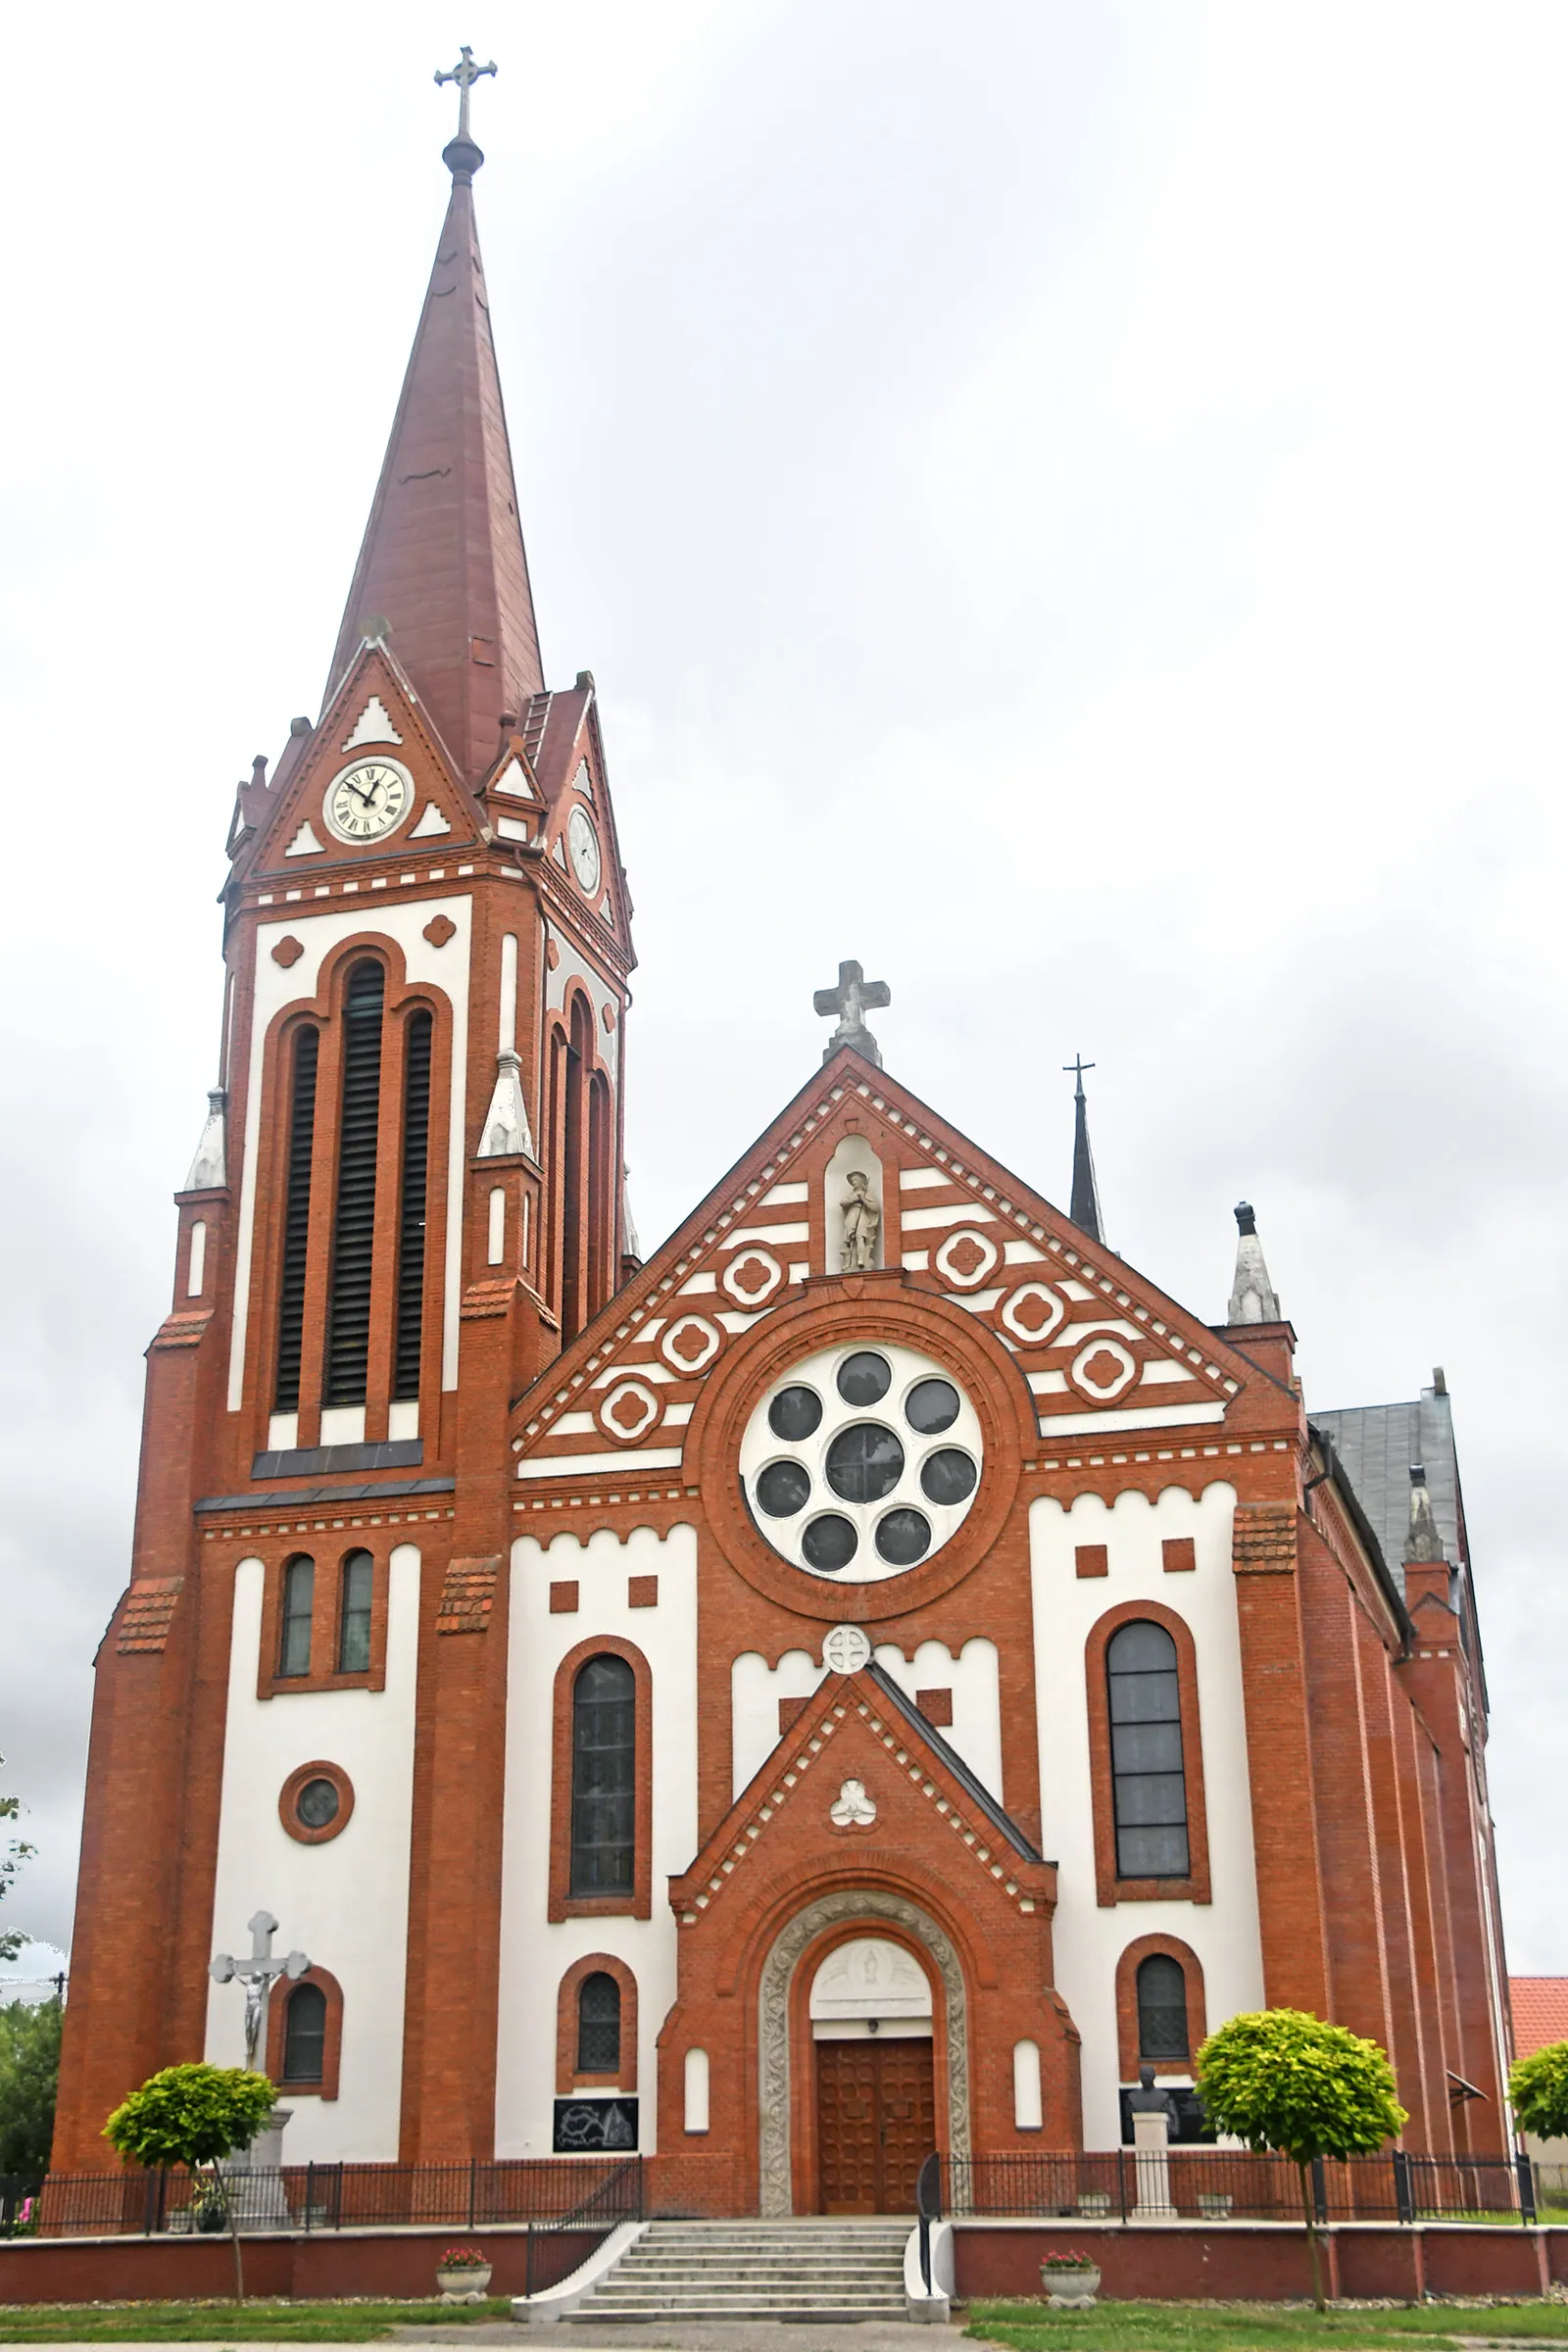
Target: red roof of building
point(1540, 2012)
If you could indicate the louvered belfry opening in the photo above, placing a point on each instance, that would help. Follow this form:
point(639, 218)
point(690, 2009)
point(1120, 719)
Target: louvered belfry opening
point(412, 1208)
point(296, 1220)
point(348, 1329)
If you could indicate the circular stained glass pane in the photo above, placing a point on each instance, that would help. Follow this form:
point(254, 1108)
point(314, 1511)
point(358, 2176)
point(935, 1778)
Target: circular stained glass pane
point(783, 1489)
point(794, 1413)
point(931, 1406)
point(829, 1542)
point(317, 1804)
point(947, 1476)
point(904, 1537)
point(865, 1378)
point(864, 1462)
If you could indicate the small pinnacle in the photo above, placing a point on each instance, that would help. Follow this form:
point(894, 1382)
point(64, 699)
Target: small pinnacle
point(301, 726)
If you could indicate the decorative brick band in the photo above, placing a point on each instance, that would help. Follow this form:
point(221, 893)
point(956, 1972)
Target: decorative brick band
point(1263, 1542)
point(467, 1595)
point(149, 1613)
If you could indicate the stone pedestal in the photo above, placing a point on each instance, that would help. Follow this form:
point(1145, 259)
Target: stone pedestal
point(1150, 2144)
point(255, 2177)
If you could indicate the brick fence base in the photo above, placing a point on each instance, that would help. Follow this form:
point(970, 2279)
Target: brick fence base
point(1266, 2260)
point(394, 2263)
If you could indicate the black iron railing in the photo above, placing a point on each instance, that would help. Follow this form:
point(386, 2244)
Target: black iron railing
point(542, 2194)
point(1202, 2183)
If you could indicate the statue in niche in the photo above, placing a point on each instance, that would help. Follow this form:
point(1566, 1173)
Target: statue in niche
point(862, 1222)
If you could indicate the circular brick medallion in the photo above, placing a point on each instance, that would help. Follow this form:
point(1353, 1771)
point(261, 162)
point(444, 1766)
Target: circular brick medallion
point(315, 1802)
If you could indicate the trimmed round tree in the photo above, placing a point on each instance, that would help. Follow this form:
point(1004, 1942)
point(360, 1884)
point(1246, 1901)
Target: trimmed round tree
point(1538, 2087)
point(1281, 2078)
point(194, 2116)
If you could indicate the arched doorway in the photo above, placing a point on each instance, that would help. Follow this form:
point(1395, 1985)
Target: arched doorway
point(869, 2010)
point(787, 2043)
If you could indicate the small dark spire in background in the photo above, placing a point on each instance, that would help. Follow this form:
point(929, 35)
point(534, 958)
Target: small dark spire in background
point(1084, 1210)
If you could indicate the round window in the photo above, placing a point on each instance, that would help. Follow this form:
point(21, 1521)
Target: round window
point(862, 1462)
point(316, 1803)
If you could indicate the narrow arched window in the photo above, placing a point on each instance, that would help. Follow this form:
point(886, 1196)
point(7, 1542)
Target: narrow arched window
point(296, 1221)
point(410, 1228)
point(348, 1326)
point(599, 2025)
point(299, 1602)
point(1162, 2008)
point(354, 1614)
point(1147, 1783)
point(604, 1778)
point(305, 2034)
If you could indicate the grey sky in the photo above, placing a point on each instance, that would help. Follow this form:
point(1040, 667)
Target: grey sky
point(1063, 503)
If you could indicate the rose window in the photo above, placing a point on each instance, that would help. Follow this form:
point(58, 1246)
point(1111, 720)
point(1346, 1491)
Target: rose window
point(860, 1462)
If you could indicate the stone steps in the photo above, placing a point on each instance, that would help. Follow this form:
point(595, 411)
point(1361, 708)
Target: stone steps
point(827, 2271)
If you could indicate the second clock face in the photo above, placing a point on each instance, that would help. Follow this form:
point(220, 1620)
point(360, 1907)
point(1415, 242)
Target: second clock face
point(582, 842)
point(368, 800)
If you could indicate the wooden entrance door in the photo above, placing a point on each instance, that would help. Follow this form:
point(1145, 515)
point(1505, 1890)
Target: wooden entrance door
point(875, 2122)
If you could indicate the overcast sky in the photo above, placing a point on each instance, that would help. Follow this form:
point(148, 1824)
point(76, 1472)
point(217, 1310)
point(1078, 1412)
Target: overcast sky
point(1063, 502)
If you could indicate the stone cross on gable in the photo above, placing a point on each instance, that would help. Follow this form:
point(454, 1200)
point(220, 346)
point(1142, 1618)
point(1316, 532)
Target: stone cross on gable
point(258, 1974)
point(853, 996)
point(465, 74)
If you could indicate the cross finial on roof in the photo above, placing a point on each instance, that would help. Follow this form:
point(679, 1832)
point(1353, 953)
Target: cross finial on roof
point(1075, 1069)
point(462, 155)
point(853, 996)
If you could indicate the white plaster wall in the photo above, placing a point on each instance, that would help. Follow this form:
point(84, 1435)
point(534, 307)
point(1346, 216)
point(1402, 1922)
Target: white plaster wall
point(972, 1677)
point(444, 968)
point(536, 1953)
point(345, 1903)
point(1088, 1941)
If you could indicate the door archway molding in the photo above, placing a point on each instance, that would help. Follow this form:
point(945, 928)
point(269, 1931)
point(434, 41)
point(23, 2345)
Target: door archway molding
point(773, 2024)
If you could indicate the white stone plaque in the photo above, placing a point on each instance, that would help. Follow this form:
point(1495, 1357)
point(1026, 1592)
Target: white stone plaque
point(846, 1650)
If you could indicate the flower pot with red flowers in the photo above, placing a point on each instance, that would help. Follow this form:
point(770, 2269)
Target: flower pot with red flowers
point(463, 2274)
point(1071, 2281)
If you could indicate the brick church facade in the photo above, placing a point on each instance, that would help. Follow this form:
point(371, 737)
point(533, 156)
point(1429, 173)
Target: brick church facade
point(862, 1680)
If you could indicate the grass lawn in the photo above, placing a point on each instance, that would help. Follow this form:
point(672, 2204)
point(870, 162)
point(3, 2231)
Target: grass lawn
point(1237, 2327)
point(229, 2323)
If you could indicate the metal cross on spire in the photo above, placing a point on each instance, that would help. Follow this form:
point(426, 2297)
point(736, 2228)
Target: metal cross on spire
point(465, 74)
point(258, 1974)
point(1075, 1069)
point(850, 1000)
point(1084, 1208)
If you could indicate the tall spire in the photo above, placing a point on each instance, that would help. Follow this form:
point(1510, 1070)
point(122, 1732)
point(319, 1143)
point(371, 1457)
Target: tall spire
point(1084, 1208)
point(1253, 1298)
point(442, 570)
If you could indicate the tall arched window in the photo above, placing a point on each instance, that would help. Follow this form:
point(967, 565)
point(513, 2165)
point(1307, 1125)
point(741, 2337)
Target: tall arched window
point(599, 2025)
point(348, 1323)
point(604, 1778)
point(354, 1614)
point(305, 2034)
point(299, 1602)
point(1148, 1787)
point(1162, 2008)
point(410, 1228)
point(296, 1221)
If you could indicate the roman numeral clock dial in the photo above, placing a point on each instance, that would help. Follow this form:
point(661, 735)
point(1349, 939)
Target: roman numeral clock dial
point(368, 800)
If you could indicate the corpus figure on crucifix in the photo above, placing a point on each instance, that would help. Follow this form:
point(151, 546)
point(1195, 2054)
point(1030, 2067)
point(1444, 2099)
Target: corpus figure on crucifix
point(853, 996)
point(258, 1974)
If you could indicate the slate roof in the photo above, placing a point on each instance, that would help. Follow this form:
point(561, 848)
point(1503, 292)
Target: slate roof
point(1377, 1444)
point(1539, 2006)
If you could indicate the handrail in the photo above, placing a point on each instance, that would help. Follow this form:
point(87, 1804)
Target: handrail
point(929, 2209)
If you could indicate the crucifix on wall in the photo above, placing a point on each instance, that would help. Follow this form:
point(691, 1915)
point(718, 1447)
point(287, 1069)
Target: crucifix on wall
point(258, 1974)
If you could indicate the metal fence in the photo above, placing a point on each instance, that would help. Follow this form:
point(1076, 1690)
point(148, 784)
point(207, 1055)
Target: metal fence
point(542, 2193)
point(1129, 2184)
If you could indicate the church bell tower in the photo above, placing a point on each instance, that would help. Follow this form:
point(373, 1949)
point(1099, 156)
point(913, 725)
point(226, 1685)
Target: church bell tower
point(407, 1199)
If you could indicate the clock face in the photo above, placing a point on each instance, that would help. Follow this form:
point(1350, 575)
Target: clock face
point(582, 842)
point(368, 800)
